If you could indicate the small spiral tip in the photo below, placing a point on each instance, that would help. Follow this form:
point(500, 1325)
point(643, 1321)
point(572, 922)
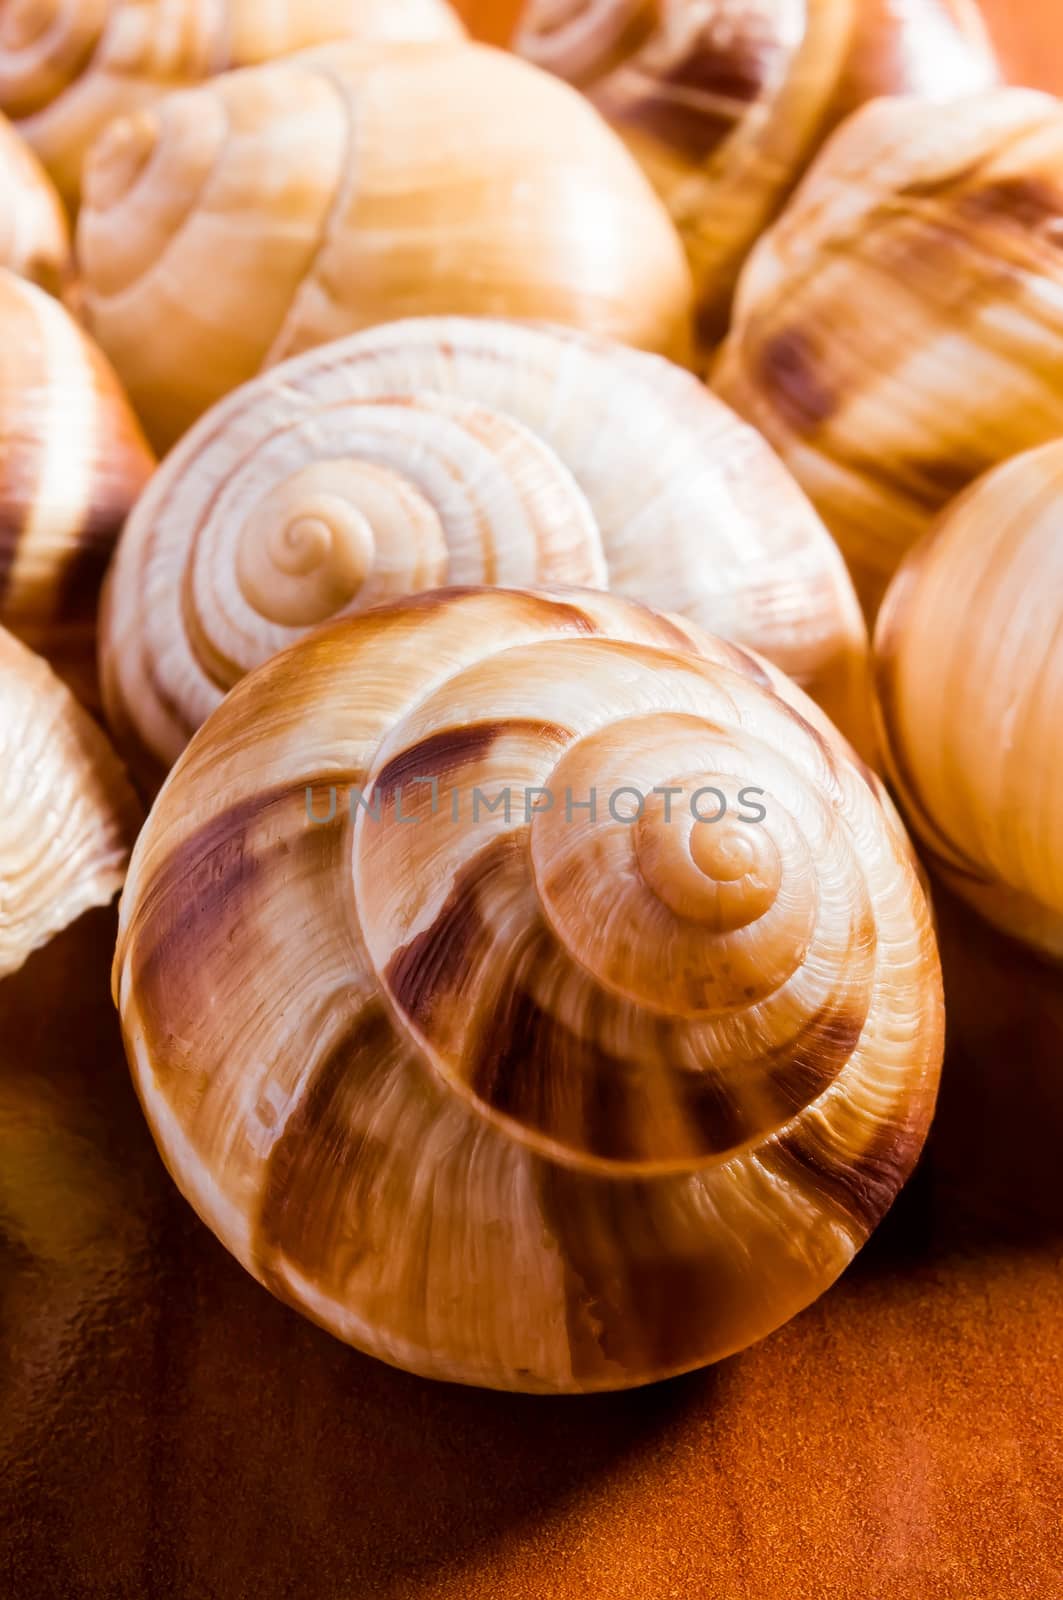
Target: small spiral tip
point(119, 158)
point(722, 853)
point(305, 553)
point(303, 545)
point(725, 874)
point(22, 22)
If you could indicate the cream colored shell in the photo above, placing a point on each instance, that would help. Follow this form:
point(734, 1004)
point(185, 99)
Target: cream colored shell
point(68, 816)
point(725, 101)
point(461, 450)
point(72, 462)
point(900, 330)
point(969, 649)
point(351, 186)
point(530, 1096)
point(69, 67)
point(34, 237)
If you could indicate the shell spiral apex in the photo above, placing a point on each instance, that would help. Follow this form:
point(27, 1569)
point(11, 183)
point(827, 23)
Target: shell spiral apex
point(69, 67)
point(72, 462)
point(68, 816)
point(530, 988)
point(455, 451)
point(724, 102)
point(350, 186)
point(969, 657)
point(900, 331)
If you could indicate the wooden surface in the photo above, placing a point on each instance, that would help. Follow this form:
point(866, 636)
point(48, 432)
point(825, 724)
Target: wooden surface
point(167, 1430)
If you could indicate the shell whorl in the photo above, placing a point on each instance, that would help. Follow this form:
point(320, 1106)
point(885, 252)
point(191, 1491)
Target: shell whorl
point(69, 67)
point(899, 331)
point(461, 451)
point(969, 662)
point(348, 170)
point(597, 1063)
point(72, 462)
point(604, 1034)
point(34, 237)
point(725, 101)
point(68, 816)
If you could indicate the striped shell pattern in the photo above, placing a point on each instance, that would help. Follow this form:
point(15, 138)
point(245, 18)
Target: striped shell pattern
point(72, 462)
point(69, 67)
point(456, 450)
point(566, 1093)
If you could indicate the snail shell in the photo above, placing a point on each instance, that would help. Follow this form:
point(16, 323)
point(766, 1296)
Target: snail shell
point(969, 654)
point(899, 331)
point(351, 186)
point(530, 1098)
point(72, 462)
point(34, 238)
point(461, 450)
point(69, 67)
point(725, 101)
point(68, 816)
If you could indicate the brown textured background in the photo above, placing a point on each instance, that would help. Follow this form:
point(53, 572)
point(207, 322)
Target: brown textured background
point(167, 1430)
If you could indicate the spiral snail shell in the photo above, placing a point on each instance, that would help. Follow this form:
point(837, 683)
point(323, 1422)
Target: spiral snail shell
point(68, 816)
point(899, 331)
point(725, 101)
point(969, 656)
point(72, 462)
point(461, 450)
point(69, 67)
point(34, 238)
point(471, 1048)
point(354, 185)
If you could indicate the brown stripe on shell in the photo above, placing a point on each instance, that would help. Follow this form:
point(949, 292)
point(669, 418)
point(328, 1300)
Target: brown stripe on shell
point(809, 1063)
point(638, 1301)
point(721, 1122)
point(197, 887)
point(934, 479)
point(451, 748)
point(859, 1191)
point(633, 1302)
point(790, 369)
point(528, 1064)
point(925, 482)
point(532, 1067)
point(12, 522)
point(434, 968)
point(1029, 201)
point(320, 1174)
point(693, 103)
point(521, 1061)
point(86, 566)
